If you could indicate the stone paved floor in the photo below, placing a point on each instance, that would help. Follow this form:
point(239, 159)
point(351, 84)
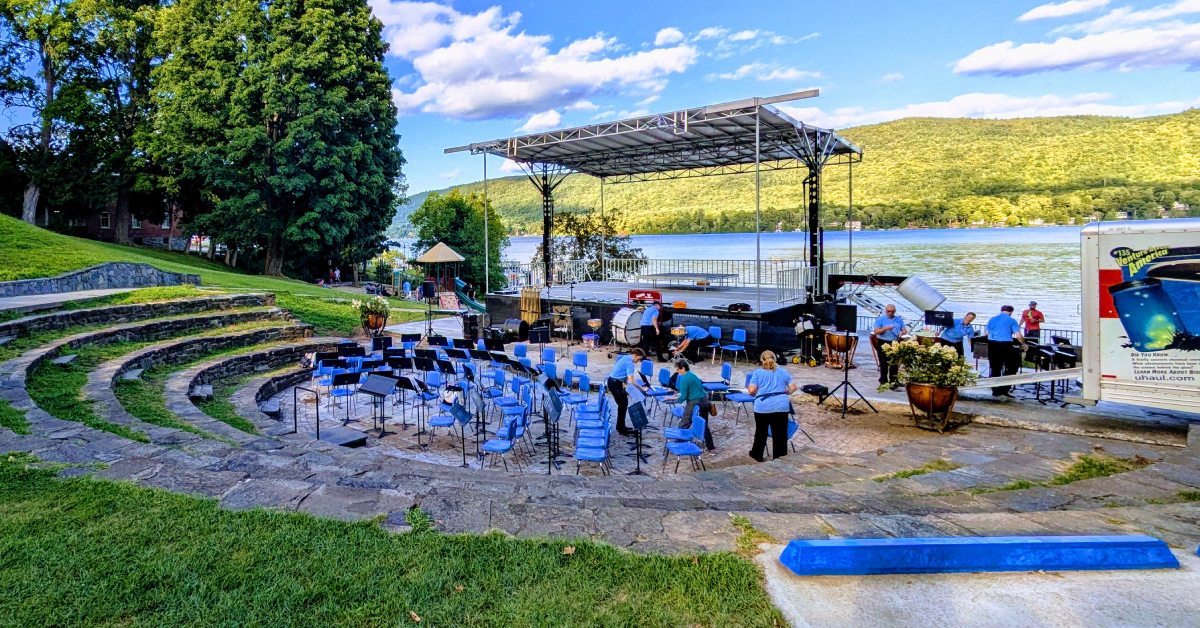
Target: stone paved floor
point(839, 486)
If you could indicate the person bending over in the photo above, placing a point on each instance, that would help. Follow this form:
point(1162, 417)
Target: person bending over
point(623, 374)
point(692, 394)
point(694, 341)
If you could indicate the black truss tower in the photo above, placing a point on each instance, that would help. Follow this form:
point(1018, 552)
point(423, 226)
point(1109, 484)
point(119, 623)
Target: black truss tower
point(546, 178)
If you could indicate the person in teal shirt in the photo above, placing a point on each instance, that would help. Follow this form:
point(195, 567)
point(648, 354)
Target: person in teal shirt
point(888, 329)
point(962, 328)
point(692, 394)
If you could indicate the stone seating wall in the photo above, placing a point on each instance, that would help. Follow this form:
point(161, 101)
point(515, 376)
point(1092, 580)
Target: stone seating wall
point(102, 276)
point(125, 313)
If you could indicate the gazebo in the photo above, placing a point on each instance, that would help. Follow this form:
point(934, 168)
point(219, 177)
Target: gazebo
point(441, 265)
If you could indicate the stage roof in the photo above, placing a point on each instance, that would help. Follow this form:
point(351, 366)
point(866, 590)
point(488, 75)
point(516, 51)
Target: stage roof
point(717, 139)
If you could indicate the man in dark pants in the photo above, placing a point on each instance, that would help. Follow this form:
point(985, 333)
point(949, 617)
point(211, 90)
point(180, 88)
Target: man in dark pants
point(697, 338)
point(1003, 356)
point(623, 373)
point(888, 329)
point(650, 329)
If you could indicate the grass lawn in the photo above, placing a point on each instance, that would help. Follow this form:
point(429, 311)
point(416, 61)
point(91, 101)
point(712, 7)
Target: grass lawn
point(27, 251)
point(93, 552)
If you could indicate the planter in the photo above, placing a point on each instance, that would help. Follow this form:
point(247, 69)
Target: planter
point(932, 406)
point(374, 323)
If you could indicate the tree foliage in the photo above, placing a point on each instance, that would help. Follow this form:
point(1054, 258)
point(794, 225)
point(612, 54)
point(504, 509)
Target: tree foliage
point(458, 221)
point(283, 111)
point(590, 238)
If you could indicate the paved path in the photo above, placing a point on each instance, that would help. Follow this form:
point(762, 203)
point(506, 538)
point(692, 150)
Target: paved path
point(36, 302)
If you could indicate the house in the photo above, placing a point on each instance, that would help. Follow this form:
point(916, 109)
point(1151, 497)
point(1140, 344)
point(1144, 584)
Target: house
point(163, 233)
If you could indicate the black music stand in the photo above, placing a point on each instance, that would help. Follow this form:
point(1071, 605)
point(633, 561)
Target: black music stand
point(438, 341)
point(378, 387)
point(463, 343)
point(539, 336)
point(407, 384)
point(343, 379)
point(413, 338)
point(462, 416)
point(846, 387)
point(458, 354)
point(638, 420)
point(552, 407)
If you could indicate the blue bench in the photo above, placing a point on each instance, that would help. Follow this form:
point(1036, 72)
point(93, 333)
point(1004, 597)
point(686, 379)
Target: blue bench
point(857, 557)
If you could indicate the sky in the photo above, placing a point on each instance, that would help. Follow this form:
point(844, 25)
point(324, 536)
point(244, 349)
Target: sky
point(469, 71)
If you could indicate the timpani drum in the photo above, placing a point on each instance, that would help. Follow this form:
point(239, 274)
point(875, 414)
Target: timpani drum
point(627, 326)
point(840, 348)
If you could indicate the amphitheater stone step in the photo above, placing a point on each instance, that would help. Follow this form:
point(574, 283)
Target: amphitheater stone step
point(64, 360)
point(131, 375)
point(204, 392)
point(117, 314)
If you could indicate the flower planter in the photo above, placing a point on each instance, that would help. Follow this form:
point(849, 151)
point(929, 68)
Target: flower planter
point(374, 323)
point(932, 406)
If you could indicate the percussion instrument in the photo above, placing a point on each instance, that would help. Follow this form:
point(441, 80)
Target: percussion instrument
point(679, 331)
point(626, 326)
point(592, 340)
point(841, 346)
point(925, 338)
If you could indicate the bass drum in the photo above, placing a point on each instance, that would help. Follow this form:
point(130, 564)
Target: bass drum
point(627, 326)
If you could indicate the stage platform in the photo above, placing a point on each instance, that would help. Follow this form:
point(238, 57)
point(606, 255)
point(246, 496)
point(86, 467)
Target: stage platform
point(772, 326)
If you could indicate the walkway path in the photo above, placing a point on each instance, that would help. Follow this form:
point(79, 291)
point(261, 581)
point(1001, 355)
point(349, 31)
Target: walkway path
point(35, 302)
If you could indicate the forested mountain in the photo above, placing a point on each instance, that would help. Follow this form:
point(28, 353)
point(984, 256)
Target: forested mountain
point(920, 172)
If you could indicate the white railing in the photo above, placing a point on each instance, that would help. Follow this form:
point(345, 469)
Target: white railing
point(740, 272)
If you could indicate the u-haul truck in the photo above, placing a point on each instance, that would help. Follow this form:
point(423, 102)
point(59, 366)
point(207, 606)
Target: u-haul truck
point(1141, 313)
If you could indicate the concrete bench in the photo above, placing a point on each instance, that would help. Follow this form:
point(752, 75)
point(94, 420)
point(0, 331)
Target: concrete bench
point(271, 408)
point(64, 360)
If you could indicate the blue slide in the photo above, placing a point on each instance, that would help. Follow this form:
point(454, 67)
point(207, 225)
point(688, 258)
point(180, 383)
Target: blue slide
point(459, 284)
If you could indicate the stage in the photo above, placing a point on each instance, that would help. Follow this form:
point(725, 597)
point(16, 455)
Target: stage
point(772, 327)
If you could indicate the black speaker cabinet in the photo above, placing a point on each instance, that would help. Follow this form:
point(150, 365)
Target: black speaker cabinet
point(428, 290)
point(846, 318)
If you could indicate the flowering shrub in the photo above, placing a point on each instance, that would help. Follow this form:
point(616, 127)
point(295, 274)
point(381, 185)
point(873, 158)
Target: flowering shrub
point(938, 365)
point(375, 305)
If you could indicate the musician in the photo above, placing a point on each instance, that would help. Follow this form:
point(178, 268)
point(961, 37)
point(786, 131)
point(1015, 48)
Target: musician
point(1003, 356)
point(650, 329)
point(953, 336)
point(888, 329)
point(624, 371)
point(1031, 320)
point(694, 340)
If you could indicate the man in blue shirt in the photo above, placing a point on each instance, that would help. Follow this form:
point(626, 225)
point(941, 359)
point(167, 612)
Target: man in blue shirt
point(697, 338)
point(650, 331)
point(953, 336)
point(623, 373)
point(888, 329)
point(1003, 356)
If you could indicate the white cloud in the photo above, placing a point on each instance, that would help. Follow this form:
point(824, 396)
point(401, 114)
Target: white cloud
point(712, 32)
point(743, 35)
point(582, 105)
point(892, 77)
point(647, 101)
point(510, 166)
point(475, 66)
point(764, 72)
point(667, 36)
point(1123, 39)
point(542, 121)
point(1125, 17)
point(985, 105)
point(453, 174)
point(1061, 9)
point(1112, 50)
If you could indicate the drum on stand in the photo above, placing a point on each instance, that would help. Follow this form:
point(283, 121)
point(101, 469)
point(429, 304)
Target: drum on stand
point(627, 326)
point(841, 347)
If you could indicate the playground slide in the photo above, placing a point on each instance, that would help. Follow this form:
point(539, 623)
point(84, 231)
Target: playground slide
point(459, 284)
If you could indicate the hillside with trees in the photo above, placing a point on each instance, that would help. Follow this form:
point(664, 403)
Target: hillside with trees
point(920, 172)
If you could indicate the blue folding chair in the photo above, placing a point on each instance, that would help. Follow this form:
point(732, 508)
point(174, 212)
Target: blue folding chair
point(737, 345)
point(579, 360)
point(743, 399)
point(715, 333)
point(598, 455)
point(689, 448)
point(548, 356)
point(721, 387)
point(502, 445)
point(520, 350)
point(792, 428)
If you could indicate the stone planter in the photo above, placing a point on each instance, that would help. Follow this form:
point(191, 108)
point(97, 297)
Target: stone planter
point(932, 407)
point(374, 323)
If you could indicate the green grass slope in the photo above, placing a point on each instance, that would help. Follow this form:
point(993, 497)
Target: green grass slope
point(87, 552)
point(923, 170)
point(27, 251)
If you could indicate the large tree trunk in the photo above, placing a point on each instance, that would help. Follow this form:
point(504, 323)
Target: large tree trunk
point(29, 206)
point(212, 247)
point(273, 264)
point(235, 254)
point(355, 267)
point(121, 216)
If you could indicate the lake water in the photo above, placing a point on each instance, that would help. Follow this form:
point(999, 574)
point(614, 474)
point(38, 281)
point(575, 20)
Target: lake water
point(977, 269)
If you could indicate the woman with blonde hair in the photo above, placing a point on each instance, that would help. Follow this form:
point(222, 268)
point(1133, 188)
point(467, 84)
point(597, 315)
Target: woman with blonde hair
point(771, 387)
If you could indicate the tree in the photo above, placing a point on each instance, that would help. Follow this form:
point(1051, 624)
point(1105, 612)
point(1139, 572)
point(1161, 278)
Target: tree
point(458, 221)
point(39, 36)
point(591, 239)
point(283, 110)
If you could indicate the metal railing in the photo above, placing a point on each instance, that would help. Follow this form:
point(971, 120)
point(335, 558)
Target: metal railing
point(786, 274)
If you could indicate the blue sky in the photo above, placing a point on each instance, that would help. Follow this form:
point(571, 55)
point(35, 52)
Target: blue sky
point(470, 71)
